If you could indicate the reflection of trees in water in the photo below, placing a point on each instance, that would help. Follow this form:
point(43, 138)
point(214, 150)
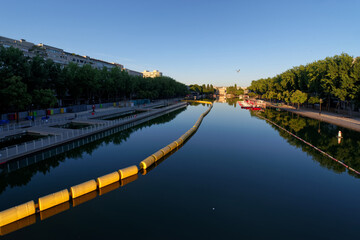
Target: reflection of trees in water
point(297, 124)
point(23, 176)
point(232, 101)
point(320, 134)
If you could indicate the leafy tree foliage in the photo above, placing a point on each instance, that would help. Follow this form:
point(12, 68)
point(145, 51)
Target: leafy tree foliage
point(25, 81)
point(333, 78)
point(320, 134)
point(203, 89)
point(298, 97)
point(234, 90)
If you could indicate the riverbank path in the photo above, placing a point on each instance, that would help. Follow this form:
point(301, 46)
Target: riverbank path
point(333, 118)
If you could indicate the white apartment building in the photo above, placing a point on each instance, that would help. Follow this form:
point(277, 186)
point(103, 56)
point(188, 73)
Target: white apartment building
point(152, 74)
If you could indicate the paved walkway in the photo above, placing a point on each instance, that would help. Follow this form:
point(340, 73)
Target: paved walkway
point(58, 136)
point(58, 119)
point(333, 118)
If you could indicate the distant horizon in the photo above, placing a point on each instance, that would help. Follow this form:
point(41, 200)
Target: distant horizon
point(193, 42)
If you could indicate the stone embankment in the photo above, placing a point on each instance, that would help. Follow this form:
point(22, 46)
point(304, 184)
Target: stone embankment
point(336, 119)
point(58, 136)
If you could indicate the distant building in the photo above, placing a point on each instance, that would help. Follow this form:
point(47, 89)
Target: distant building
point(55, 54)
point(246, 91)
point(220, 91)
point(152, 74)
point(133, 73)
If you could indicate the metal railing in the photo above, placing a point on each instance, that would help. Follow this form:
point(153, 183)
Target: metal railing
point(69, 135)
point(77, 116)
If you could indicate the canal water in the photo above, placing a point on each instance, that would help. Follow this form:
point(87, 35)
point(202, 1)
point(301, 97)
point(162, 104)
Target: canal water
point(237, 177)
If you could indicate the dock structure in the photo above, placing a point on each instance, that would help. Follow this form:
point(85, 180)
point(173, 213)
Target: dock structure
point(48, 131)
point(53, 135)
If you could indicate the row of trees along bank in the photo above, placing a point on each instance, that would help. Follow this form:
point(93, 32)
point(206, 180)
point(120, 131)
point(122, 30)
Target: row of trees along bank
point(35, 82)
point(333, 80)
point(202, 89)
point(234, 90)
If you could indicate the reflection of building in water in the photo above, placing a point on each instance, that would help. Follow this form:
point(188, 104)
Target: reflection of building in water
point(220, 91)
point(221, 99)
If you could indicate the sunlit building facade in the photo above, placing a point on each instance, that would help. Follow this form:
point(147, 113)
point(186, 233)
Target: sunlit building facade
point(55, 54)
point(153, 74)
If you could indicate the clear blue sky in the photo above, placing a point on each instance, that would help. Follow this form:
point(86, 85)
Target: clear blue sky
point(189, 40)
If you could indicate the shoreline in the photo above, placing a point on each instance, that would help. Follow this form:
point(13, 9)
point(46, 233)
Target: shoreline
point(336, 119)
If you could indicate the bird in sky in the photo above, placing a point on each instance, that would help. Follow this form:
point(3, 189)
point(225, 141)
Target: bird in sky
point(238, 70)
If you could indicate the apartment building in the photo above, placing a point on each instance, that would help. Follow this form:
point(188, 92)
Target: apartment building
point(133, 73)
point(56, 54)
point(152, 74)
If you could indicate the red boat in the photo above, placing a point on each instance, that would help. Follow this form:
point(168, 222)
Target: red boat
point(251, 104)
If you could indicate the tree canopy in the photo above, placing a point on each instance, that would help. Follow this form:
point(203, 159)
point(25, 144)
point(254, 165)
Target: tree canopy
point(234, 90)
point(203, 89)
point(333, 78)
point(43, 83)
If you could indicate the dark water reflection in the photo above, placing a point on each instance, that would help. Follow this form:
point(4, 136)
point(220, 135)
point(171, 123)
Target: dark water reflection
point(22, 176)
point(320, 134)
point(237, 178)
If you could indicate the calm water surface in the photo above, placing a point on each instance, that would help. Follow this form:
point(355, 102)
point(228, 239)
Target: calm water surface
point(237, 177)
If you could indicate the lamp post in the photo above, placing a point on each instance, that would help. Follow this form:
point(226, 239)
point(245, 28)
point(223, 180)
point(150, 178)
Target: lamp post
point(320, 105)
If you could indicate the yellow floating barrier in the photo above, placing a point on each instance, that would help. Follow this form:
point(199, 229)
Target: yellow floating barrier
point(83, 188)
point(129, 171)
point(191, 131)
point(54, 210)
point(179, 141)
point(53, 199)
point(166, 150)
point(108, 179)
point(130, 179)
point(84, 198)
point(159, 154)
point(109, 188)
point(144, 172)
point(173, 145)
point(147, 162)
point(86, 191)
point(24, 222)
point(184, 136)
point(16, 213)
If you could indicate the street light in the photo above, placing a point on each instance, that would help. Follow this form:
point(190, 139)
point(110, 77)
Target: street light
point(320, 105)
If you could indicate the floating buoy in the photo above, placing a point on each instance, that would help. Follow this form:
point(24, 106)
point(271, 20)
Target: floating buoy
point(340, 134)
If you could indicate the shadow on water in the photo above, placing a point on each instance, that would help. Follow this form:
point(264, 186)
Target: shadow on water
point(43, 215)
point(320, 134)
point(232, 101)
point(19, 172)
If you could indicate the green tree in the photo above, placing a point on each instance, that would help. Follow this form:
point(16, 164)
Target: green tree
point(13, 63)
point(44, 98)
point(298, 97)
point(15, 95)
